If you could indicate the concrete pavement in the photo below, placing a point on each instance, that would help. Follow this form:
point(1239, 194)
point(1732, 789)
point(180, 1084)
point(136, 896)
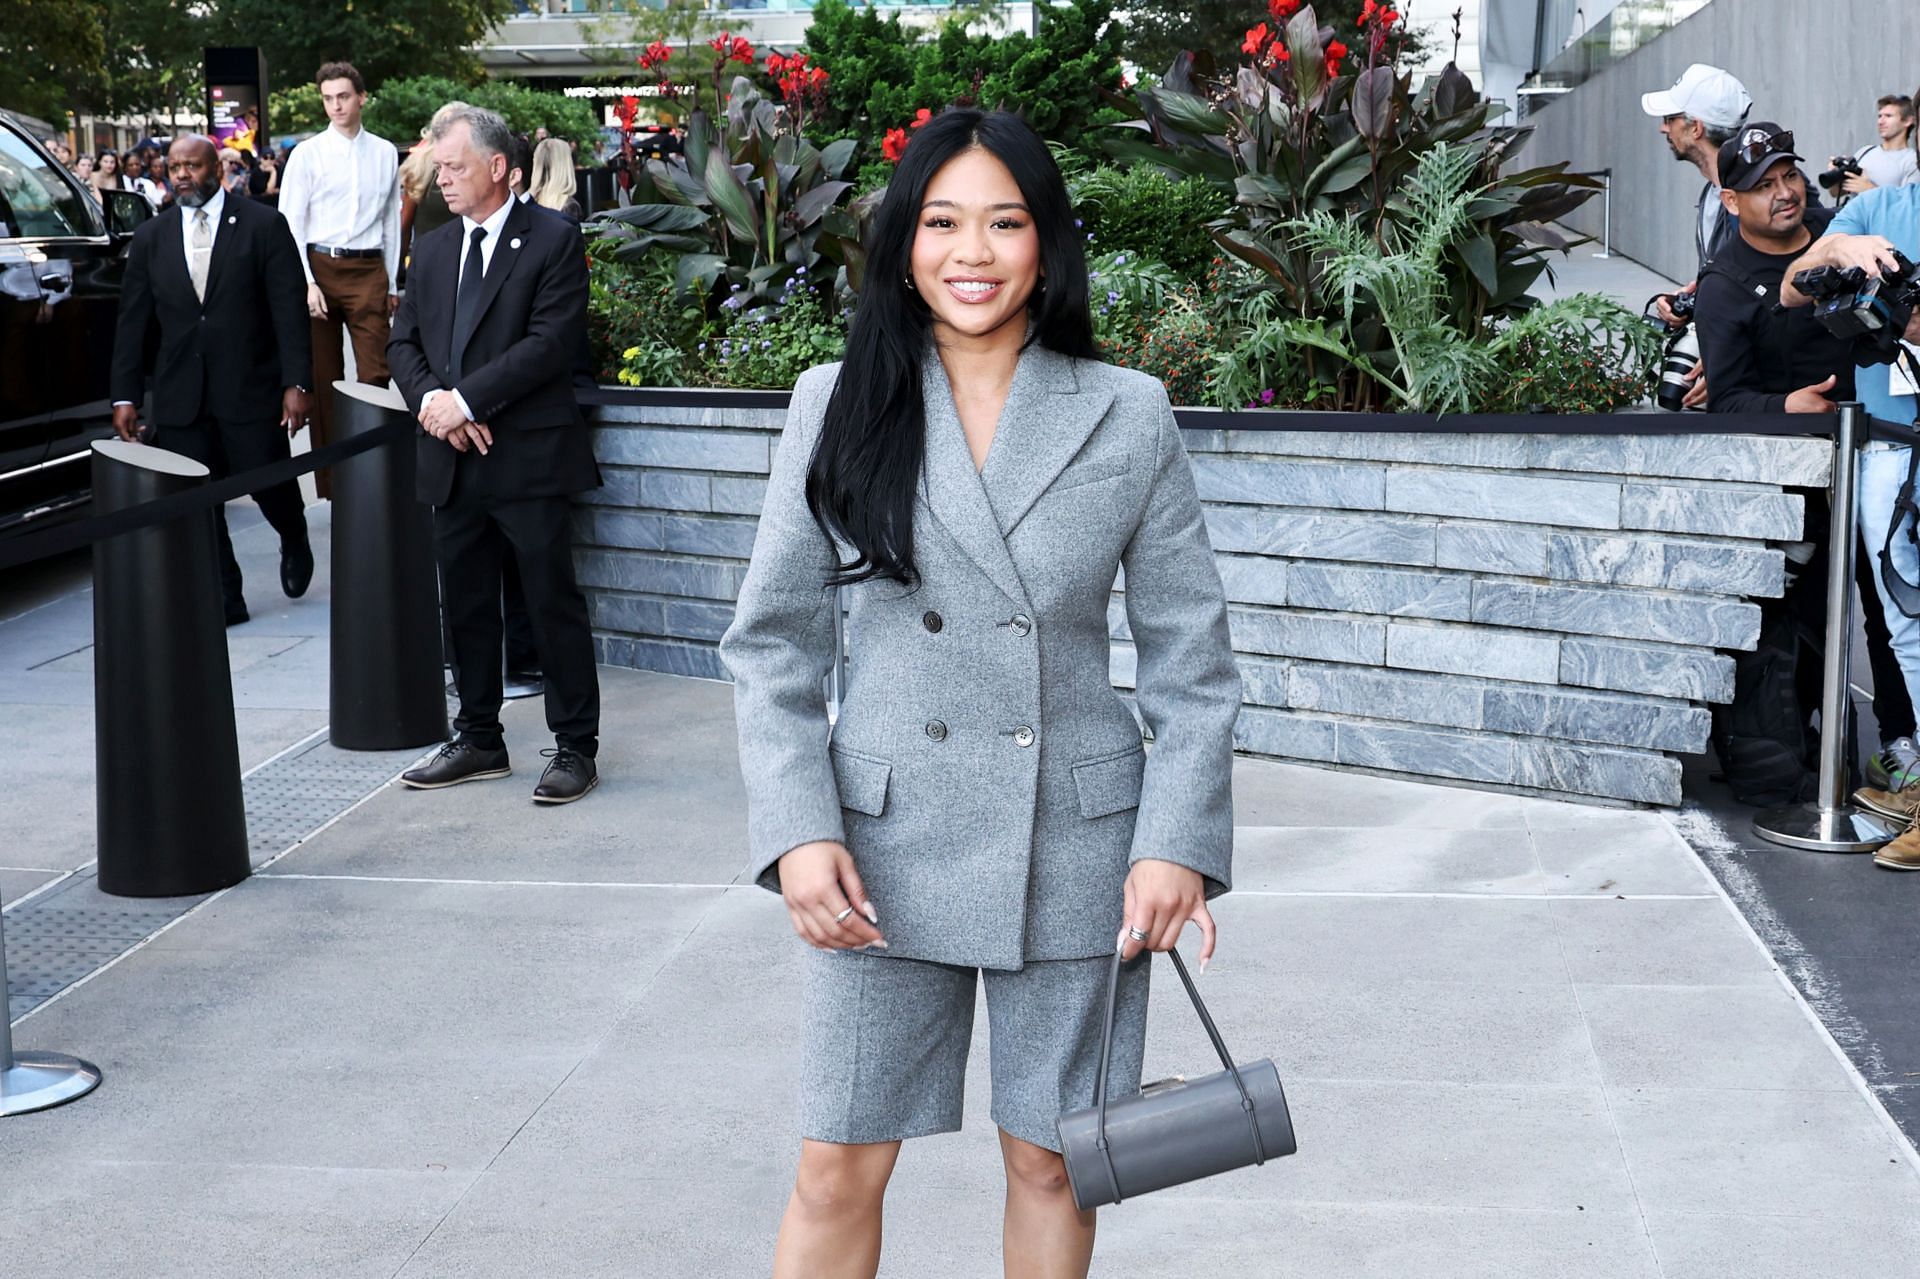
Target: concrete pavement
point(454, 1035)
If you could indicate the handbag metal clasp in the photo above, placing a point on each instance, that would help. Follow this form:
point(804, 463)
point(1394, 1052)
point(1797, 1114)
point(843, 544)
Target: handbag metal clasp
point(1162, 1085)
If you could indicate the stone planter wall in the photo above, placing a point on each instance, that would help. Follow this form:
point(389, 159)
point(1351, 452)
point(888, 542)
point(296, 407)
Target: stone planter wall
point(1545, 612)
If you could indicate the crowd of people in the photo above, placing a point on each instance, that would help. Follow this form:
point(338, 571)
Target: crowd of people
point(1764, 346)
point(253, 296)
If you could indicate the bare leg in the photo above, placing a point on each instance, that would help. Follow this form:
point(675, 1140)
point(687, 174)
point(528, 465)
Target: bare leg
point(832, 1226)
point(1045, 1237)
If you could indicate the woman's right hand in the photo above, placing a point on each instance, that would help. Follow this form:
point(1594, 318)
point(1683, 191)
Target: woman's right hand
point(819, 883)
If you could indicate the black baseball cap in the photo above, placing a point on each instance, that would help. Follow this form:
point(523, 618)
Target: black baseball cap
point(1746, 157)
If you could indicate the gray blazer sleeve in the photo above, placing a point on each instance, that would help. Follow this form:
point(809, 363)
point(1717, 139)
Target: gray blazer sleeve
point(1187, 684)
point(779, 649)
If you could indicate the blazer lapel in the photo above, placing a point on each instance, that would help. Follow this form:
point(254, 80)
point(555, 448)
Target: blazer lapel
point(951, 487)
point(513, 236)
point(1045, 423)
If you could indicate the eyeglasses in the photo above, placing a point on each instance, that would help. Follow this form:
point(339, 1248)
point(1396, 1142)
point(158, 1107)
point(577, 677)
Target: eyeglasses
point(1756, 145)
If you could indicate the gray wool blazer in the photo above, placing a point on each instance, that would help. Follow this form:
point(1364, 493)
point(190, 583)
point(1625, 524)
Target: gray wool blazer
point(988, 781)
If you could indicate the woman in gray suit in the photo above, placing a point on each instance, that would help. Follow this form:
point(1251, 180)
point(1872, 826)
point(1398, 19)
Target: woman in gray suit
point(983, 809)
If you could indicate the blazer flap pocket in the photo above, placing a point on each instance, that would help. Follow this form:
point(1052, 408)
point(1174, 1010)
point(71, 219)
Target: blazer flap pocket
point(1110, 783)
point(1089, 473)
point(861, 780)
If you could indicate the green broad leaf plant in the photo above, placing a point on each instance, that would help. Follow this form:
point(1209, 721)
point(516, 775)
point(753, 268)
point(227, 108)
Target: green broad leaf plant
point(748, 208)
point(1389, 221)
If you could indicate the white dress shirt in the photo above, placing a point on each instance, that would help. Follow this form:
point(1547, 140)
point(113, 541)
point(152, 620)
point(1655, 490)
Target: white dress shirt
point(214, 208)
point(494, 223)
point(344, 192)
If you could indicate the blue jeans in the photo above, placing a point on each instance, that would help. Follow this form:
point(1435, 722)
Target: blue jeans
point(1882, 472)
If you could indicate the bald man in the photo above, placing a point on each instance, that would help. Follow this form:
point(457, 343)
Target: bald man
point(220, 278)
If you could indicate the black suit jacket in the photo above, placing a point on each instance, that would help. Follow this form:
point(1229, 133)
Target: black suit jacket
point(516, 364)
point(231, 357)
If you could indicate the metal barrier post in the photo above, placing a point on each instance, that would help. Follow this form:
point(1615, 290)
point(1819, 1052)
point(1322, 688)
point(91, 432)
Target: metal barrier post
point(1830, 824)
point(171, 819)
point(385, 690)
point(35, 1081)
point(1606, 214)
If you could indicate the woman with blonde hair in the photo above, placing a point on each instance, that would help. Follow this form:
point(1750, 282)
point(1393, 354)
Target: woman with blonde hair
point(553, 183)
point(422, 207)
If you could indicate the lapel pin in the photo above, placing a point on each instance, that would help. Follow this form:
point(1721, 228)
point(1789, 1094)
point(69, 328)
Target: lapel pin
point(514, 243)
point(231, 219)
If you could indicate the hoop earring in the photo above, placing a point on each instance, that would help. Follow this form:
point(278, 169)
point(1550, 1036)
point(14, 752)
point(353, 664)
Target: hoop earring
point(911, 286)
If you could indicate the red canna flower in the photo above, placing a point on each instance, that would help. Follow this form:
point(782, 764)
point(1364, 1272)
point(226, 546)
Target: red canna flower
point(732, 48)
point(1281, 10)
point(1255, 42)
point(655, 54)
point(920, 117)
point(894, 145)
point(629, 107)
point(1336, 53)
point(776, 65)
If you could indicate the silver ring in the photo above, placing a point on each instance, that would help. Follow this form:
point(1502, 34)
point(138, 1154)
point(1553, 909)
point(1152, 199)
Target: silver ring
point(841, 918)
point(1138, 934)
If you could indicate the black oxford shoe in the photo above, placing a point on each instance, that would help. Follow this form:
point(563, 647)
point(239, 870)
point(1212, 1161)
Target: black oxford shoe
point(296, 568)
point(569, 776)
point(458, 761)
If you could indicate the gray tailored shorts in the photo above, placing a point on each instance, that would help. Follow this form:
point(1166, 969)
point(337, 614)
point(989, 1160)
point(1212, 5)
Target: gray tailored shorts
point(884, 1053)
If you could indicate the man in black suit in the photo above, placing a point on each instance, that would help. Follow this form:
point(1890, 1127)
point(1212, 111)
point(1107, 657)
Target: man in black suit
point(482, 348)
point(221, 278)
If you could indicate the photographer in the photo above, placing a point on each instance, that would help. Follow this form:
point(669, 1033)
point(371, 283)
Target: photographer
point(1890, 162)
point(1867, 234)
point(1759, 359)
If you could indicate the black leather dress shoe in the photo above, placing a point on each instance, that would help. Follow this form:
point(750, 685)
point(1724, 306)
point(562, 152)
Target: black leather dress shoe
point(237, 611)
point(296, 568)
point(569, 776)
point(458, 761)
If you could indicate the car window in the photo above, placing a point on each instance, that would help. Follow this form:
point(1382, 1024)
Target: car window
point(34, 201)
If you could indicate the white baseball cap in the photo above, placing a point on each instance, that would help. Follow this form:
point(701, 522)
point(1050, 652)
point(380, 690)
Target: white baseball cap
point(1708, 94)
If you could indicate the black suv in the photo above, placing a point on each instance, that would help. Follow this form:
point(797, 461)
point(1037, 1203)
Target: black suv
point(61, 258)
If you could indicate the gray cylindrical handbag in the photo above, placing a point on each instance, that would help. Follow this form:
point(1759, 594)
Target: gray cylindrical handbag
point(1176, 1130)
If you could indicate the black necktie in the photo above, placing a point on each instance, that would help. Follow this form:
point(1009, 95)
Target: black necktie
point(467, 299)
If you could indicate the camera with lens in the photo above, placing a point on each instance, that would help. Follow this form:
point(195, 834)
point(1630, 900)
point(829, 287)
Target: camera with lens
point(1844, 167)
point(1870, 312)
point(1683, 349)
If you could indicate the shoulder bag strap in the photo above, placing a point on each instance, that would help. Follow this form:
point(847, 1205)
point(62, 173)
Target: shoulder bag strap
point(1904, 594)
point(1219, 1046)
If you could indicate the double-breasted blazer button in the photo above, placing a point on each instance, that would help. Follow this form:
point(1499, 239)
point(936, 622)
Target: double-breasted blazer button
point(1022, 624)
point(931, 620)
point(936, 730)
point(1023, 736)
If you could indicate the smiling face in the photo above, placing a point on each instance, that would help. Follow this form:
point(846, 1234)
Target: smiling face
point(976, 254)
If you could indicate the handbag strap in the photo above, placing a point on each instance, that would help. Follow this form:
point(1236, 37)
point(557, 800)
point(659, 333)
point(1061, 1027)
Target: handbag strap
point(1219, 1046)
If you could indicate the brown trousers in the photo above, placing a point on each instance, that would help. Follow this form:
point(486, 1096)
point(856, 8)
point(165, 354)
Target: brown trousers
point(356, 294)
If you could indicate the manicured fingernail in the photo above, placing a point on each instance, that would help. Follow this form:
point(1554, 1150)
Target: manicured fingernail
point(879, 944)
point(1203, 965)
point(873, 916)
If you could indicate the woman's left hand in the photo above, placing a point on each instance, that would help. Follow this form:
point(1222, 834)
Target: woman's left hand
point(1161, 899)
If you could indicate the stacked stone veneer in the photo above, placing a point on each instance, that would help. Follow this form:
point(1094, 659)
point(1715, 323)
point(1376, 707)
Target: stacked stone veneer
point(1550, 613)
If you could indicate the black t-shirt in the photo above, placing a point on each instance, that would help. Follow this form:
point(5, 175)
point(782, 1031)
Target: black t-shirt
point(1757, 355)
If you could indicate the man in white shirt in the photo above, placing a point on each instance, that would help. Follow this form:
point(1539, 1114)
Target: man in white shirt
point(340, 193)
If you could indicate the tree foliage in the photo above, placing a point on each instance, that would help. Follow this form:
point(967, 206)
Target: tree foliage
point(885, 70)
point(385, 39)
point(54, 51)
point(400, 109)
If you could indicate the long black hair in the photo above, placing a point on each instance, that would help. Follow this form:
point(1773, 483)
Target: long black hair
point(872, 443)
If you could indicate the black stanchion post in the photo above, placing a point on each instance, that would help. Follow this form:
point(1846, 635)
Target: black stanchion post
point(387, 689)
point(171, 819)
point(35, 1081)
point(1830, 824)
